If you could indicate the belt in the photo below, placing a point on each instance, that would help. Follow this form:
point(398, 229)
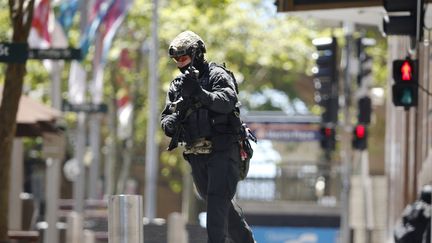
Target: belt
point(199, 146)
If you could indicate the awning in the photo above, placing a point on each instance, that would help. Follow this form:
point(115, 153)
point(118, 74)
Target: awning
point(34, 118)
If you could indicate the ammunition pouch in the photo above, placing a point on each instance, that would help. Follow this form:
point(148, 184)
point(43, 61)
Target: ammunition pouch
point(200, 146)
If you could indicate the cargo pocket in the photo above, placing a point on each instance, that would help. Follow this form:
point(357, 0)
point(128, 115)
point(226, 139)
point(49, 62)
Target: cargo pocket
point(233, 171)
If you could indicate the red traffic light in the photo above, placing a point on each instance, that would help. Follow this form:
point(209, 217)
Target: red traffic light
point(328, 132)
point(328, 138)
point(359, 140)
point(360, 131)
point(406, 71)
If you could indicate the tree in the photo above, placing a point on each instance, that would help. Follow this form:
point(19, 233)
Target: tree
point(21, 15)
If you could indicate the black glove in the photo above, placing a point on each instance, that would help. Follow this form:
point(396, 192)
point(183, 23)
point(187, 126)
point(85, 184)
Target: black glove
point(170, 124)
point(190, 85)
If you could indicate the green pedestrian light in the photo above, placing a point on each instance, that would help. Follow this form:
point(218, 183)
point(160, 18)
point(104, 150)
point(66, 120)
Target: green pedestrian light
point(407, 98)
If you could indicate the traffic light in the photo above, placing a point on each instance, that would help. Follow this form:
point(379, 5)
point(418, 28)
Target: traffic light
point(364, 110)
point(326, 77)
point(365, 61)
point(328, 138)
point(330, 113)
point(405, 17)
point(405, 89)
point(364, 80)
point(359, 141)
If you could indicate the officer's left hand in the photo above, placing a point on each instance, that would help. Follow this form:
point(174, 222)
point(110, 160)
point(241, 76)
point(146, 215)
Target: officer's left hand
point(190, 85)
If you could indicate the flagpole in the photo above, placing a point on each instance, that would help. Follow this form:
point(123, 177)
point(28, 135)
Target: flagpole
point(151, 169)
point(53, 165)
point(79, 183)
point(96, 93)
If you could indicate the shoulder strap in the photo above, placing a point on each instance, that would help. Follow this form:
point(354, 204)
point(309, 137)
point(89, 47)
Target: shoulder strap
point(223, 66)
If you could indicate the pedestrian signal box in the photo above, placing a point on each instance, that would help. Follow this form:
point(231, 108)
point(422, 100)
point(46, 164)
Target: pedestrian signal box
point(405, 88)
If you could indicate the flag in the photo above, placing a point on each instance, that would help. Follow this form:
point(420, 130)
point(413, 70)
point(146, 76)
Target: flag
point(124, 113)
point(112, 21)
point(45, 31)
point(77, 83)
point(39, 36)
point(100, 10)
point(125, 59)
point(67, 12)
point(124, 100)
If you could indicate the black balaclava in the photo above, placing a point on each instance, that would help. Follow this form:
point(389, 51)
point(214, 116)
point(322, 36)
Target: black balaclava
point(183, 69)
point(199, 64)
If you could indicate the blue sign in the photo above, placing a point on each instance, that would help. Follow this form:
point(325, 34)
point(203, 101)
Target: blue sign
point(294, 234)
point(288, 132)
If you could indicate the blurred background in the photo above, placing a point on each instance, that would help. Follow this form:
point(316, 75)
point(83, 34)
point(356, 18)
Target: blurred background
point(337, 158)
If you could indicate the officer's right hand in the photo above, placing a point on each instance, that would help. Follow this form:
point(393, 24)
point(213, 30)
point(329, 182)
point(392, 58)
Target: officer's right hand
point(190, 85)
point(170, 124)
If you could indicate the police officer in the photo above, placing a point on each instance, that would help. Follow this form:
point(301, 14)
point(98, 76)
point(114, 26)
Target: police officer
point(206, 127)
point(416, 219)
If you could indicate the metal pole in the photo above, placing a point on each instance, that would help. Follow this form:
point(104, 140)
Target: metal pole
point(93, 177)
point(111, 153)
point(53, 165)
point(367, 195)
point(125, 221)
point(345, 151)
point(96, 93)
point(79, 183)
point(151, 169)
point(406, 160)
point(53, 189)
point(15, 188)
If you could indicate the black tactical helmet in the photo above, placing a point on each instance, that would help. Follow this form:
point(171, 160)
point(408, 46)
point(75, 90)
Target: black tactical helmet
point(187, 43)
point(425, 194)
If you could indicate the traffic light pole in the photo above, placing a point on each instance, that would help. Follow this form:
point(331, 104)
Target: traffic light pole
point(345, 148)
point(367, 195)
point(407, 194)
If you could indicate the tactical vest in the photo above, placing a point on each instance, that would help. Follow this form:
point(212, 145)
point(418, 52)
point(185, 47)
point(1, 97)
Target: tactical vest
point(204, 123)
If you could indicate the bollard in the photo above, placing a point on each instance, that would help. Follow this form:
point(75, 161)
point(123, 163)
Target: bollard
point(125, 221)
point(89, 236)
point(176, 228)
point(74, 228)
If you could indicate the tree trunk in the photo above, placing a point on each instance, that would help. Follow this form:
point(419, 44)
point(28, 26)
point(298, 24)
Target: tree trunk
point(21, 13)
point(8, 111)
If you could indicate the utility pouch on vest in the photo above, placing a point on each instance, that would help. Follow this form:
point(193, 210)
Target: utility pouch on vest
point(246, 151)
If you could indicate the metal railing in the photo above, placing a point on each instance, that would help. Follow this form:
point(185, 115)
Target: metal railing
point(292, 181)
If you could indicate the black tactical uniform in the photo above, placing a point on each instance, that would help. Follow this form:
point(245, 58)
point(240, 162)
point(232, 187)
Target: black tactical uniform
point(211, 146)
point(416, 219)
